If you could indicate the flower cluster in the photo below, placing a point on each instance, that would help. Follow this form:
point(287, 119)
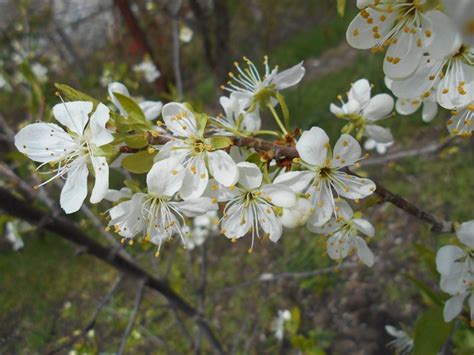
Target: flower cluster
point(456, 266)
point(429, 56)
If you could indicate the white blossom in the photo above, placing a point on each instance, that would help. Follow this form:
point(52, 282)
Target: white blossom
point(278, 324)
point(148, 69)
point(189, 148)
point(40, 72)
point(407, 28)
point(12, 234)
point(250, 205)
point(69, 153)
point(203, 226)
point(236, 117)
point(452, 76)
point(258, 89)
point(324, 173)
point(456, 266)
point(363, 111)
point(403, 343)
point(380, 148)
point(185, 34)
point(297, 215)
point(461, 122)
point(343, 232)
point(158, 214)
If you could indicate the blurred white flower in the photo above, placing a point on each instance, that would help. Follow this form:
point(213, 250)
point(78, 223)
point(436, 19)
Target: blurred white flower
point(456, 266)
point(13, 235)
point(40, 71)
point(297, 215)
point(363, 111)
point(148, 69)
point(462, 12)
point(185, 34)
point(402, 343)
point(278, 323)
point(201, 229)
point(381, 148)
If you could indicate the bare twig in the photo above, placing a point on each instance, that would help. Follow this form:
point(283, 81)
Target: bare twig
point(133, 317)
point(415, 152)
point(176, 57)
point(91, 323)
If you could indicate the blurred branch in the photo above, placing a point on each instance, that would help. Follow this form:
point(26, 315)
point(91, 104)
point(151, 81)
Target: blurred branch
point(176, 57)
point(67, 229)
point(90, 325)
point(203, 21)
point(269, 277)
point(140, 38)
point(408, 153)
point(222, 34)
point(133, 317)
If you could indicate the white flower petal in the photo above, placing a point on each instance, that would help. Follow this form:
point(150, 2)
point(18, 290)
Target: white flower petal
point(298, 181)
point(279, 195)
point(364, 226)
point(117, 87)
point(446, 259)
point(74, 191)
point(360, 92)
point(404, 56)
point(195, 206)
point(289, 77)
point(74, 115)
point(354, 187)
point(269, 223)
point(179, 119)
point(380, 106)
point(100, 135)
point(313, 146)
point(407, 107)
point(101, 170)
point(456, 89)
point(430, 110)
point(127, 216)
point(336, 110)
point(453, 307)
point(465, 233)
point(323, 205)
point(196, 178)
point(443, 33)
point(250, 175)
point(338, 248)
point(151, 109)
point(363, 252)
point(44, 142)
point(327, 228)
point(343, 210)
point(347, 151)
point(165, 177)
point(237, 222)
point(379, 134)
point(223, 168)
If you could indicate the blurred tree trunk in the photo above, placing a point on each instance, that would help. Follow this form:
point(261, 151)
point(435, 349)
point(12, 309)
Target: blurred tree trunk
point(140, 38)
point(215, 31)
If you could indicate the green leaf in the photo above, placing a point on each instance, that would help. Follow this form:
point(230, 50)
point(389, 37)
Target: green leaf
point(137, 141)
point(135, 113)
point(341, 7)
point(74, 95)
point(201, 122)
point(293, 324)
point(220, 142)
point(133, 185)
point(431, 331)
point(138, 163)
point(284, 109)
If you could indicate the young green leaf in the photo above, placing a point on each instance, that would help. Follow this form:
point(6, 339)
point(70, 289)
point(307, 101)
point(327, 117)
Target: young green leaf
point(431, 331)
point(341, 7)
point(220, 142)
point(138, 163)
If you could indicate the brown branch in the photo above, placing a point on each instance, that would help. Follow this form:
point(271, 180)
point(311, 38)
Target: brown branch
point(66, 229)
point(280, 151)
point(140, 38)
point(202, 20)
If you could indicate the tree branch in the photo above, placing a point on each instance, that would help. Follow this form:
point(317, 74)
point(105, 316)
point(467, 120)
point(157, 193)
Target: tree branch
point(68, 230)
point(286, 152)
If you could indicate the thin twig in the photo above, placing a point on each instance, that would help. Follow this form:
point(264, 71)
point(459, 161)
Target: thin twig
point(91, 323)
point(133, 317)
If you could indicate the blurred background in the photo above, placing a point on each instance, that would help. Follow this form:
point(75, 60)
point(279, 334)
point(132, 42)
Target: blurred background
point(50, 291)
